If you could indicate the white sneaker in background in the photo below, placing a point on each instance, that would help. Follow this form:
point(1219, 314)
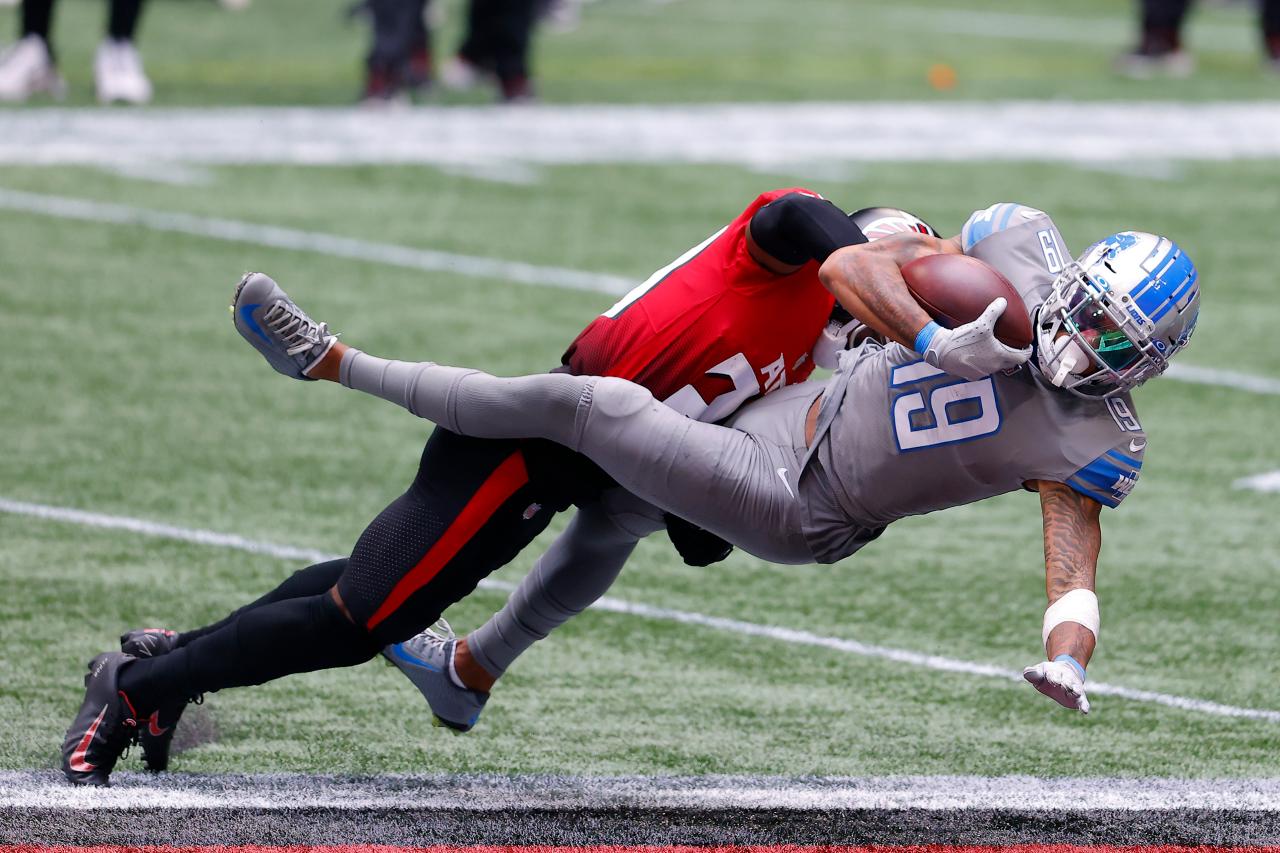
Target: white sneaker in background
point(117, 71)
point(27, 69)
point(459, 75)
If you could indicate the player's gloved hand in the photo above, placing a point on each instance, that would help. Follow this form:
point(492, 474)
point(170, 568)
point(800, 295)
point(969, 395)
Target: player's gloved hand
point(697, 547)
point(1062, 680)
point(971, 351)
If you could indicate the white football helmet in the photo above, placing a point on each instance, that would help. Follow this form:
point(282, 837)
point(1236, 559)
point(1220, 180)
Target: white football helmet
point(1117, 315)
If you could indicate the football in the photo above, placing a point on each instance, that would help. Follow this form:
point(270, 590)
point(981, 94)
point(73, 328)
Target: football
point(955, 289)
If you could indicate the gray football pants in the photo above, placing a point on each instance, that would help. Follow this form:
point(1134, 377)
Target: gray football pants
point(579, 567)
point(738, 484)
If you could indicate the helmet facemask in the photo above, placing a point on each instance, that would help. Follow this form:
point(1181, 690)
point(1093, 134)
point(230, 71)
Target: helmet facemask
point(1091, 341)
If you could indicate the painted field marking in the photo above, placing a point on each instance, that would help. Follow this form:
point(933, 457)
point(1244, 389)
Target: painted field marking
point(333, 245)
point(1268, 482)
point(937, 663)
point(741, 134)
point(487, 792)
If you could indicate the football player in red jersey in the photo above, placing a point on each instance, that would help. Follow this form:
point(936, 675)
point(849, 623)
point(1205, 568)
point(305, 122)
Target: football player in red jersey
point(735, 317)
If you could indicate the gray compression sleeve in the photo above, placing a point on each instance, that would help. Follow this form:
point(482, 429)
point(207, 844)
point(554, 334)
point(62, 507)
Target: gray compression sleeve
point(472, 402)
point(576, 570)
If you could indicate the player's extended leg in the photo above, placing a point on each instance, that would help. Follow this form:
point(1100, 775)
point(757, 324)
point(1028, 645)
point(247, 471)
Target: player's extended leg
point(576, 570)
point(721, 479)
point(582, 563)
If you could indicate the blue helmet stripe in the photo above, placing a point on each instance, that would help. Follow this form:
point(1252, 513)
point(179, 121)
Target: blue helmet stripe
point(1147, 294)
point(1005, 216)
point(1189, 275)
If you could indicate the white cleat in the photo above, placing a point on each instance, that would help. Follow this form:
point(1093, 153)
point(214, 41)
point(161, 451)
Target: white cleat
point(117, 71)
point(458, 75)
point(26, 69)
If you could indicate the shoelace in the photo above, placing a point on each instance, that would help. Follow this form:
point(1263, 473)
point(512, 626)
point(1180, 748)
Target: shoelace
point(300, 333)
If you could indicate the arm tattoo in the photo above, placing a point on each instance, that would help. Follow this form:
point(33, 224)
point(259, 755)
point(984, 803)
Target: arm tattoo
point(1072, 539)
point(870, 277)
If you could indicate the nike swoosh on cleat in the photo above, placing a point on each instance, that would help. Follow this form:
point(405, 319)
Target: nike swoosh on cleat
point(398, 651)
point(246, 315)
point(77, 761)
point(782, 475)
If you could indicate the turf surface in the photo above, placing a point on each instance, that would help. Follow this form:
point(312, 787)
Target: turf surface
point(128, 392)
point(305, 51)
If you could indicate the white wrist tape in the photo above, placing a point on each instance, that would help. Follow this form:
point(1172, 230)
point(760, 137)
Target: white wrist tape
point(1079, 606)
point(833, 341)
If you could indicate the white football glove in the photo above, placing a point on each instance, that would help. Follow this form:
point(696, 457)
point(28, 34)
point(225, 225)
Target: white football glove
point(835, 339)
point(1061, 682)
point(972, 351)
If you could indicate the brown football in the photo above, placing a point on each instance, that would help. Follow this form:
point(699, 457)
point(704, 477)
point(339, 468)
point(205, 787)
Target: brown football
point(955, 289)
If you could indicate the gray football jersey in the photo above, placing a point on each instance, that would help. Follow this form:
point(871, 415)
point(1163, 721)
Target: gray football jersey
point(898, 437)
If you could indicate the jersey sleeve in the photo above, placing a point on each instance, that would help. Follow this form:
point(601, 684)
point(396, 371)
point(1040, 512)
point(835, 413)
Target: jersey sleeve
point(996, 218)
point(1110, 478)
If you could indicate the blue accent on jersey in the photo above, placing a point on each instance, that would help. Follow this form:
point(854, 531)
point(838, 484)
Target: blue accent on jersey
point(1073, 663)
point(983, 223)
point(246, 315)
point(1106, 479)
point(925, 336)
point(1119, 457)
point(1005, 216)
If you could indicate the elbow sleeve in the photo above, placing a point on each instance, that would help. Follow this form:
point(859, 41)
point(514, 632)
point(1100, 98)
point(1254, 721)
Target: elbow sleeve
point(798, 228)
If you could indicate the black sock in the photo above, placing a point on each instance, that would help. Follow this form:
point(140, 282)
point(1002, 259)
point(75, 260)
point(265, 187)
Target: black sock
point(36, 16)
point(266, 643)
point(122, 21)
point(312, 580)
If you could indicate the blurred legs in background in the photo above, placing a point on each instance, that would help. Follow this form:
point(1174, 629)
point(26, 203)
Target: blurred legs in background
point(1160, 50)
point(28, 67)
point(499, 33)
point(400, 59)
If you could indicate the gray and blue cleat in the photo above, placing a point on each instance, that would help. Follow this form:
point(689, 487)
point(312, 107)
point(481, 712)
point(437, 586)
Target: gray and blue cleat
point(288, 339)
point(425, 660)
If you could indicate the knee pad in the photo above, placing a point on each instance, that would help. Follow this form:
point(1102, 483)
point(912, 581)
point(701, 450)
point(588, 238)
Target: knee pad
point(612, 397)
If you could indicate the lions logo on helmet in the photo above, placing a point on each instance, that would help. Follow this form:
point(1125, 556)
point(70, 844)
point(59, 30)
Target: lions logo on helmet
point(1117, 315)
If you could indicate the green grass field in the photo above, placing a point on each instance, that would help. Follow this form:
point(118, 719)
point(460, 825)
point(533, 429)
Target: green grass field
point(126, 391)
point(303, 51)
point(129, 393)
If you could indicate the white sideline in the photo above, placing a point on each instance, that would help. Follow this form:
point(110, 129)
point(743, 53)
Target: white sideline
point(334, 245)
point(613, 605)
point(1268, 482)
point(276, 237)
point(46, 789)
point(778, 135)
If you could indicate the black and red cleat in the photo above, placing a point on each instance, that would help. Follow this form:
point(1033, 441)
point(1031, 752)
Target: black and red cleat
point(105, 727)
point(155, 733)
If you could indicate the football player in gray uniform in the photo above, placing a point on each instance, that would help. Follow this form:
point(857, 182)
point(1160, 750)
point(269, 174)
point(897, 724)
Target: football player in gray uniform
point(932, 419)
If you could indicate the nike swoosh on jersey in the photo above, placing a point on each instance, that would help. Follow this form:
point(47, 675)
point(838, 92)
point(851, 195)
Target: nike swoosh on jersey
point(782, 475)
point(1135, 445)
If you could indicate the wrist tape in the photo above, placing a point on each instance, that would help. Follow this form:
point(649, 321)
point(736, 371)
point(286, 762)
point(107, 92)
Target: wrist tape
point(1079, 606)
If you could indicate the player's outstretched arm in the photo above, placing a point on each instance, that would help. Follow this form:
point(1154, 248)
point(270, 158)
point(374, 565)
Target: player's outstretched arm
point(1072, 541)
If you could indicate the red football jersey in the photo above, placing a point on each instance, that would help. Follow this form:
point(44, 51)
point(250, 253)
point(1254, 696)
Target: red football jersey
point(712, 329)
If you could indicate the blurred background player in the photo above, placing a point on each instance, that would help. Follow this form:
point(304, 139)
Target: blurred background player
point(29, 67)
point(399, 61)
point(1160, 51)
point(495, 46)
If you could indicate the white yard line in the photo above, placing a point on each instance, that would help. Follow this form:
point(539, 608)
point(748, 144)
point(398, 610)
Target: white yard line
point(1268, 482)
point(1225, 378)
point(45, 789)
point(752, 135)
point(429, 260)
point(275, 237)
point(613, 605)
